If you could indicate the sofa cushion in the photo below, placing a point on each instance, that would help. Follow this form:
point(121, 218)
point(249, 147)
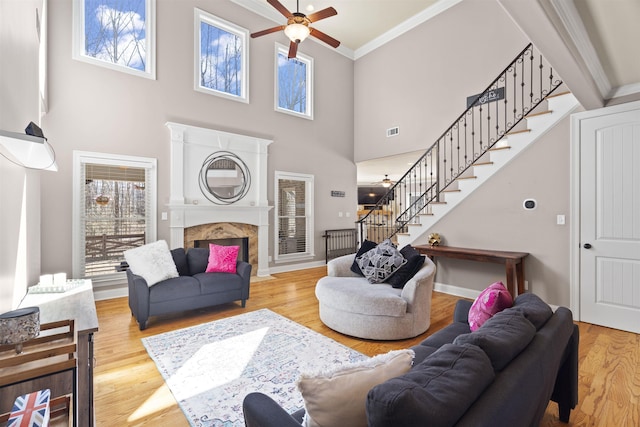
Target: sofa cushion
point(502, 337)
point(356, 295)
point(381, 262)
point(179, 256)
point(152, 261)
point(337, 397)
point(211, 283)
point(174, 289)
point(492, 300)
point(435, 393)
point(222, 259)
point(198, 259)
point(366, 246)
point(533, 308)
point(407, 271)
point(446, 335)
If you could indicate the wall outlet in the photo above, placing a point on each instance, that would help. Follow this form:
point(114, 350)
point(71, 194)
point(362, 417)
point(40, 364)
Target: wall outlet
point(560, 220)
point(164, 216)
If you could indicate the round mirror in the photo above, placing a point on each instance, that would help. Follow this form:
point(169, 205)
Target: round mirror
point(224, 178)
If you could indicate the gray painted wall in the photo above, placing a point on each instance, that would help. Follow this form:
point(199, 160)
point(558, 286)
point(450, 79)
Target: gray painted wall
point(430, 71)
point(19, 187)
point(96, 109)
point(420, 81)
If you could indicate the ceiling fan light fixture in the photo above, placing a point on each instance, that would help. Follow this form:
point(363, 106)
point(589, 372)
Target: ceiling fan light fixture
point(386, 183)
point(297, 32)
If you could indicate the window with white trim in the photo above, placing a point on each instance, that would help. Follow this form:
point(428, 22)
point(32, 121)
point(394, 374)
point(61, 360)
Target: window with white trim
point(294, 216)
point(294, 83)
point(116, 34)
point(222, 57)
point(114, 209)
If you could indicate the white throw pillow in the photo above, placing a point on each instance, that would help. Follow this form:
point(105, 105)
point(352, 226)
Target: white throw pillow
point(152, 261)
point(338, 398)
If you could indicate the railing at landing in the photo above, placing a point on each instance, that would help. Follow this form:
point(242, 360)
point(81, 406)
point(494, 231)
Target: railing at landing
point(496, 111)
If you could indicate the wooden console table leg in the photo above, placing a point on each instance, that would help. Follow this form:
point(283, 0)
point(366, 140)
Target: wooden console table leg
point(511, 277)
point(520, 276)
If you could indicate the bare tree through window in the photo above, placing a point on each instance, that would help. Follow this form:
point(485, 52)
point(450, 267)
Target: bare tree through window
point(115, 31)
point(221, 66)
point(294, 83)
point(220, 59)
point(292, 79)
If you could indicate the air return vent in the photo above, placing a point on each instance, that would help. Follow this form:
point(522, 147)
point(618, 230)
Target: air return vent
point(393, 131)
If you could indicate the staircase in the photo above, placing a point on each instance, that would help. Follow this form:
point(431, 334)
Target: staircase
point(514, 143)
point(483, 139)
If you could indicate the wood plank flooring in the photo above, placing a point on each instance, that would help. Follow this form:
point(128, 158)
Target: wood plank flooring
point(129, 391)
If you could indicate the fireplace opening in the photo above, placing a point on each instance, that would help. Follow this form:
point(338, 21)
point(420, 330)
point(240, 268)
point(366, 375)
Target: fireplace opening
point(243, 242)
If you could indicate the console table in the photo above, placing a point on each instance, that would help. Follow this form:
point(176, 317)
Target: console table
point(513, 261)
point(77, 304)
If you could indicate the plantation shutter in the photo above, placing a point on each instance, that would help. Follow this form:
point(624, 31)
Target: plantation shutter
point(292, 217)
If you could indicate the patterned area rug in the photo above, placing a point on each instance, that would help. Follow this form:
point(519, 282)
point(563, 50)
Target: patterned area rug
point(210, 368)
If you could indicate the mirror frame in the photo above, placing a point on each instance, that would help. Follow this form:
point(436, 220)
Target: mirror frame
point(206, 189)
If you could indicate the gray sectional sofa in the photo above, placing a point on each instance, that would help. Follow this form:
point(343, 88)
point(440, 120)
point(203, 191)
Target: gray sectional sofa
point(503, 374)
point(191, 290)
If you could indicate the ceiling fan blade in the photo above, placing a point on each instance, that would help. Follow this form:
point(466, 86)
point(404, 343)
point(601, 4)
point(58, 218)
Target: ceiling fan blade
point(325, 38)
point(268, 31)
point(280, 8)
point(293, 50)
point(321, 14)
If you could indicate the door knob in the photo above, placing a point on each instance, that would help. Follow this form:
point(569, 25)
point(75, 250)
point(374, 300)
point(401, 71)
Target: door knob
point(587, 246)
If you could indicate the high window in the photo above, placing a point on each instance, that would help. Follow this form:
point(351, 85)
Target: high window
point(294, 224)
point(222, 56)
point(114, 209)
point(294, 83)
point(117, 34)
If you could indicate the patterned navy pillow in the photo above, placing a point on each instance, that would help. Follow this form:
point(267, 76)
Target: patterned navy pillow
point(366, 246)
point(381, 262)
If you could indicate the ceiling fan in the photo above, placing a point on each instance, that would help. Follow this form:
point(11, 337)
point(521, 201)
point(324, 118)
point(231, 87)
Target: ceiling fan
point(386, 182)
point(297, 28)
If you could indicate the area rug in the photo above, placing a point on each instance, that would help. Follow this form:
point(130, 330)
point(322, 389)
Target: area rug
point(210, 368)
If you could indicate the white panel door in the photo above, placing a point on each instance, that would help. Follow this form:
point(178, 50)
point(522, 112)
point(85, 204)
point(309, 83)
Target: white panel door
point(610, 220)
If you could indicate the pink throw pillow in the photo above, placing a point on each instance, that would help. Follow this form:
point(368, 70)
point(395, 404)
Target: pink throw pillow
point(222, 259)
point(492, 300)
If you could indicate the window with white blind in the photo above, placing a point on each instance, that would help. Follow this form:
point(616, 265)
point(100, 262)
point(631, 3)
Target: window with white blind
point(294, 216)
point(114, 202)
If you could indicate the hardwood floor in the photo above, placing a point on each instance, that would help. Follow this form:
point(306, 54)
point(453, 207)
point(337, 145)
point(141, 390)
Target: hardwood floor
point(129, 391)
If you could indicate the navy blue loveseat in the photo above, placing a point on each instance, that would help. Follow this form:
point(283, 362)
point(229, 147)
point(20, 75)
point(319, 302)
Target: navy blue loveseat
point(502, 375)
point(192, 289)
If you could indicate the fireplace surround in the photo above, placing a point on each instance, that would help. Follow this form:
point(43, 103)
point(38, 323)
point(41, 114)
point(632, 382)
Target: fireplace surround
point(193, 216)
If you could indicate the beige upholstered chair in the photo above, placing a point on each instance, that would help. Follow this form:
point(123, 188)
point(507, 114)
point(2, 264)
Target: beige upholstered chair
point(351, 305)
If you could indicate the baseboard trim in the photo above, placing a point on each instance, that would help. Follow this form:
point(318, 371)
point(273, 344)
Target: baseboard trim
point(456, 290)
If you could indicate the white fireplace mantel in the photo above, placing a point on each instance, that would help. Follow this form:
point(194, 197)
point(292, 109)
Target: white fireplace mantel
point(188, 207)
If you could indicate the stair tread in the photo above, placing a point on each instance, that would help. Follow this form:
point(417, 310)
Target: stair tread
point(542, 113)
point(506, 147)
point(554, 95)
point(483, 164)
point(451, 191)
point(466, 177)
point(515, 132)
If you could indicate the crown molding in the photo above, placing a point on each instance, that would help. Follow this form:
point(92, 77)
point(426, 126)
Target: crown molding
point(430, 12)
point(266, 11)
point(572, 22)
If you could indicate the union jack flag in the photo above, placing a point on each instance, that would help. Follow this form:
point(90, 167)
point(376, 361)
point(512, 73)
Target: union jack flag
point(31, 410)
